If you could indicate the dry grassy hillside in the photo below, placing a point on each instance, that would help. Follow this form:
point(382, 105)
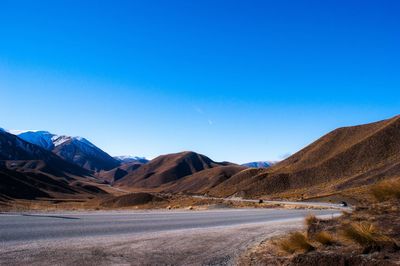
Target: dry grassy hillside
point(165, 169)
point(201, 182)
point(119, 172)
point(345, 158)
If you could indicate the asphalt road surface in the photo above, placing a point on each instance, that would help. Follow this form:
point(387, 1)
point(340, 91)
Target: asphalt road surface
point(214, 237)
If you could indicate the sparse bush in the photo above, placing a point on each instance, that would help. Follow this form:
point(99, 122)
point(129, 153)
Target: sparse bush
point(365, 234)
point(313, 225)
point(325, 238)
point(295, 242)
point(311, 219)
point(386, 190)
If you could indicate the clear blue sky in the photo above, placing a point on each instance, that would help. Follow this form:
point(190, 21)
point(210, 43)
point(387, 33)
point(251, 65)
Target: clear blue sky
point(235, 80)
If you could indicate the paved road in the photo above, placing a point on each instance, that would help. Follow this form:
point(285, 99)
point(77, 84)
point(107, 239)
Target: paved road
point(28, 227)
point(149, 237)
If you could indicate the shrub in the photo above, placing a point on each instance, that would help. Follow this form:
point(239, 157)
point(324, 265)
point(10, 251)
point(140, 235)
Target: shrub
point(365, 234)
point(313, 225)
point(311, 219)
point(325, 238)
point(386, 190)
point(295, 242)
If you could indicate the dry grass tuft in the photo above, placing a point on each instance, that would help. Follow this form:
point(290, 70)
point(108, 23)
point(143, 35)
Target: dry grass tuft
point(325, 238)
point(295, 242)
point(311, 219)
point(386, 190)
point(365, 234)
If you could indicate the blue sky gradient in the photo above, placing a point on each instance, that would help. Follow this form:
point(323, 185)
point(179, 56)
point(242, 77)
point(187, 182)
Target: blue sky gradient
point(235, 80)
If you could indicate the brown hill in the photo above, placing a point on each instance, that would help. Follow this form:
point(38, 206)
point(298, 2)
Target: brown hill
point(167, 168)
point(131, 199)
point(16, 184)
point(233, 185)
point(119, 172)
point(345, 158)
point(201, 182)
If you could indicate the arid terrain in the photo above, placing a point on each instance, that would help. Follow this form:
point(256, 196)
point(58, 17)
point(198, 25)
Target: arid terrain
point(369, 235)
point(334, 167)
point(348, 165)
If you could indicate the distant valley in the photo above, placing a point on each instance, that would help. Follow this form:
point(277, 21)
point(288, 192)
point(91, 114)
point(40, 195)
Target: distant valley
point(39, 164)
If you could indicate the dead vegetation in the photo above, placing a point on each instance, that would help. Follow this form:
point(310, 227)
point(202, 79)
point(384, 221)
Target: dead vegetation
point(386, 190)
point(369, 235)
point(299, 242)
point(295, 242)
point(325, 238)
point(365, 234)
point(311, 220)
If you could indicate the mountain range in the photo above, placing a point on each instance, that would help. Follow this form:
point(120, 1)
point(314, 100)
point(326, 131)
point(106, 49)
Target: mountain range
point(131, 159)
point(29, 171)
point(260, 164)
point(38, 164)
point(76, 150)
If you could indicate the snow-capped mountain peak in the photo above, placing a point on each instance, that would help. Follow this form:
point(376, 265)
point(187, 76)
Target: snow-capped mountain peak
point(85, 141)
point(130, 158)
point(260, 164)
point(19, 131)
point(59, 140)
point(77, 150)
point(37, 137)
point(124, 157)
point(46, 139)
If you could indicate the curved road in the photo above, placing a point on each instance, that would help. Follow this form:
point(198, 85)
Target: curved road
point(146, 237)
